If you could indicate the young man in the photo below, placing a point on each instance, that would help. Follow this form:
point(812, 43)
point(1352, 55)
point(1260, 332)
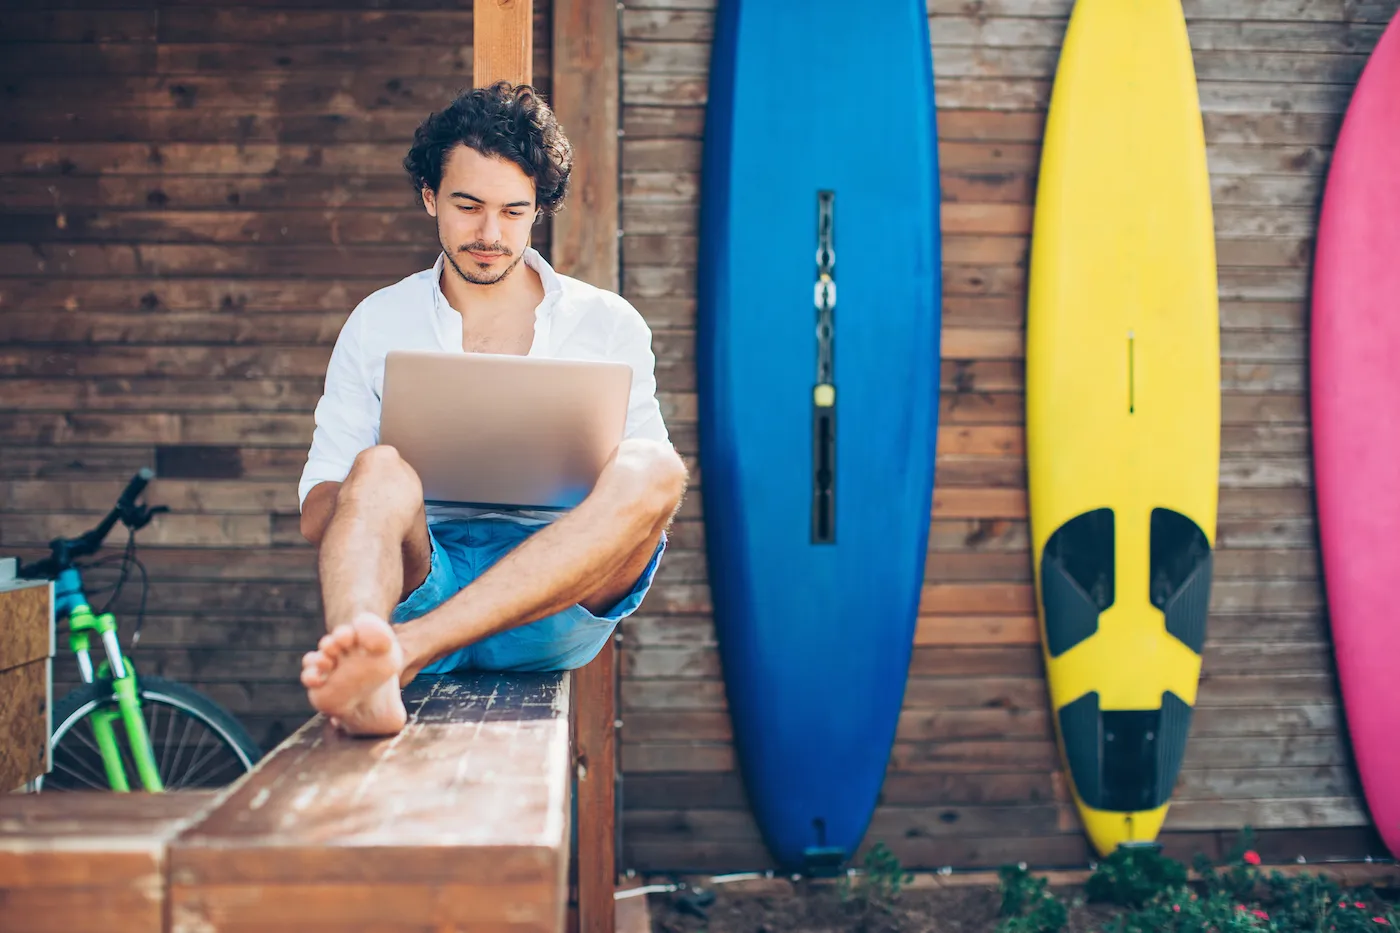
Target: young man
point(407, 588)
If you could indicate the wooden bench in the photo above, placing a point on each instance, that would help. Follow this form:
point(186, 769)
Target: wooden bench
point(89, 861)
point(460, 822)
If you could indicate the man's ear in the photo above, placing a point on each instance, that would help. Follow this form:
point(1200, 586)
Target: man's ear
point(429, 201)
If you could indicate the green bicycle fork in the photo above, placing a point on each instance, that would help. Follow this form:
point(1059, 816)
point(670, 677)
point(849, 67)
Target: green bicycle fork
point(81, 624)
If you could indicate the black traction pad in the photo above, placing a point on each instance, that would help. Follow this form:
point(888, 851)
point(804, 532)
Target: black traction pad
point(1124, 760)
point(1180, 575)
point(1076, 579)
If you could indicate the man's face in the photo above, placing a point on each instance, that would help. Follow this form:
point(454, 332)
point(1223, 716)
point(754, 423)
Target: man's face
point(485, 209)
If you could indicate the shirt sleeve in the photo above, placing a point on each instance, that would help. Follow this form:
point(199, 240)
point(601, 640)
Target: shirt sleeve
point(347, 416)
point(631, 344)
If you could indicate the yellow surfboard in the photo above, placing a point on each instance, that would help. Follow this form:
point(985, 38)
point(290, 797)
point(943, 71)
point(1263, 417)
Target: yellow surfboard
point(1123, 408)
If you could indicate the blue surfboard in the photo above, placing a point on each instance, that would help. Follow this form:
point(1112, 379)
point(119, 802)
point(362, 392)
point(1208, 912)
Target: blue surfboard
point(817, 370)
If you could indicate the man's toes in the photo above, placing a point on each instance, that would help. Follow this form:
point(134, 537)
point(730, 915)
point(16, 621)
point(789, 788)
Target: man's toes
point(373, 634)
point(318, 660)
point(328, 646)
point(344, 636)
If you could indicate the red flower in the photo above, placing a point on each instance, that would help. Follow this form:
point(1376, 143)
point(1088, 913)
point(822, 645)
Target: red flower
point(1260, 914)
point(1239, 908)
point(1176, 908)
point(1343, 905)
point(1359, 906)
point(1381, 921)
point(1252, 858)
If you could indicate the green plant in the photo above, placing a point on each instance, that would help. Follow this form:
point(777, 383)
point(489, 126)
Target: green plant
point(1181, 910)
point(876, 888)
point(1027, 906)
point(1314, 904)
point(1130, 877)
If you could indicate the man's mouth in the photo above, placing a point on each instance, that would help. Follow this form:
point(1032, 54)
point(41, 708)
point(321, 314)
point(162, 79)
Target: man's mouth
point(484, 257)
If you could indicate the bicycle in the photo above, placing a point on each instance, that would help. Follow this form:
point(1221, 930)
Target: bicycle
point(158, 716)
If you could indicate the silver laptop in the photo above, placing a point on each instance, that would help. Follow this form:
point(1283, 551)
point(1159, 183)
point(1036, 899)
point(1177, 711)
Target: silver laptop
point(503, 431)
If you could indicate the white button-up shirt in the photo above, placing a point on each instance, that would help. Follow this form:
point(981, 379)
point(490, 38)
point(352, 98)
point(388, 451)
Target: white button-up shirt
point(574, 321)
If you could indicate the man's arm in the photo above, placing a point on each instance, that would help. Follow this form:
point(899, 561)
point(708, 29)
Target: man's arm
point(347, 422)
point(631, 344)
point(317, 510)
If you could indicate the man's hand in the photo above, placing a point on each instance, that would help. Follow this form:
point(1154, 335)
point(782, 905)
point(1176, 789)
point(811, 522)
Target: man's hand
point(317, 510)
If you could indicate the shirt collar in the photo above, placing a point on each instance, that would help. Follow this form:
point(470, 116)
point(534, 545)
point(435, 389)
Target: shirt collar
point(449, 322)
point(553, 285)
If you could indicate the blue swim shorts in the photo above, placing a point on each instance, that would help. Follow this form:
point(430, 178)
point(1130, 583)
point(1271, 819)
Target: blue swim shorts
point(462, 551)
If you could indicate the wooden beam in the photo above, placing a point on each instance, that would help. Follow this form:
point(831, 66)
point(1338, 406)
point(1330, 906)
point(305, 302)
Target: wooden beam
point(595, 762)
point(502, 41)
point(585, 57)
point(585, 245)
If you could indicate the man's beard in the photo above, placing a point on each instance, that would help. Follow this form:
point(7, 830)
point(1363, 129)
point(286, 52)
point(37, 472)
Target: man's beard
point(480, 247)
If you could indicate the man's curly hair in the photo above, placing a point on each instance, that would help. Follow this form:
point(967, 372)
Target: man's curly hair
point(504, 120)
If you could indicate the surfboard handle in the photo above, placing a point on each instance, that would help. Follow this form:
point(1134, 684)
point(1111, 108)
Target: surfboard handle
point(823, 472)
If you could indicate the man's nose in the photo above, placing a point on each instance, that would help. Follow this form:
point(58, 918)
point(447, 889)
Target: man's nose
point(490, 228)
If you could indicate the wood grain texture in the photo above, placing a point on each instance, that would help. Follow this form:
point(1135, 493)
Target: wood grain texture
point(27, 646)
point(25, 715)
point(26, 618)
point(462, 818)
point(502, 42)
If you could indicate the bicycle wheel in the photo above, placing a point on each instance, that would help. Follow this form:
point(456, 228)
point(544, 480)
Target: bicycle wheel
point(196, 742)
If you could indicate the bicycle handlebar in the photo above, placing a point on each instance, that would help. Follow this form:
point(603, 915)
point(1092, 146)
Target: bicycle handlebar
point(126, 503)
point(64, 551)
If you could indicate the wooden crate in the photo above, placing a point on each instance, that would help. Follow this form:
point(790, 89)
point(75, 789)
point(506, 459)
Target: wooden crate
point(26, 678)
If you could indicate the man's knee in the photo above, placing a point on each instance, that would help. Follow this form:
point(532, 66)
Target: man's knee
point(655, 476)
point(379, 474)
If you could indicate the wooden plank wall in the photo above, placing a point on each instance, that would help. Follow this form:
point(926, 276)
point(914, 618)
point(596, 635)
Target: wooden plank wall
point(193, 196)
point(973, 779)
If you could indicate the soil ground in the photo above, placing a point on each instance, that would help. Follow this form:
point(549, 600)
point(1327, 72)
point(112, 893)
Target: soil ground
point(819, 909)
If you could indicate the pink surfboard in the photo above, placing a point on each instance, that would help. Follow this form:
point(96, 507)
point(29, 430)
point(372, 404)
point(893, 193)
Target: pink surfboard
point(1356, 423)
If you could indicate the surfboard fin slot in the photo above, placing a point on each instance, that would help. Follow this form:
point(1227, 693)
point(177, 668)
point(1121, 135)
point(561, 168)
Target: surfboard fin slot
point(824, 395)
point(1132, 375)
point(823, 474)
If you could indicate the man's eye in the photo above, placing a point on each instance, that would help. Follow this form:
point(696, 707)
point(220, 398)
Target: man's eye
point(515, 213)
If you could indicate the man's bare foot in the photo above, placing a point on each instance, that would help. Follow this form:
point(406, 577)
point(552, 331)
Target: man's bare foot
point(353, 677)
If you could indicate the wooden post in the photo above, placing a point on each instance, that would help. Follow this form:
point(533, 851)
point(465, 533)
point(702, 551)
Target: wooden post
point(502, 41)
point(585, 63)
point(584, 244)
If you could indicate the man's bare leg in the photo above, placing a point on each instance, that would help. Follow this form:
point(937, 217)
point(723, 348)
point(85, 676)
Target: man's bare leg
point(591, 556)
point(375, 550)
point(585, 557)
